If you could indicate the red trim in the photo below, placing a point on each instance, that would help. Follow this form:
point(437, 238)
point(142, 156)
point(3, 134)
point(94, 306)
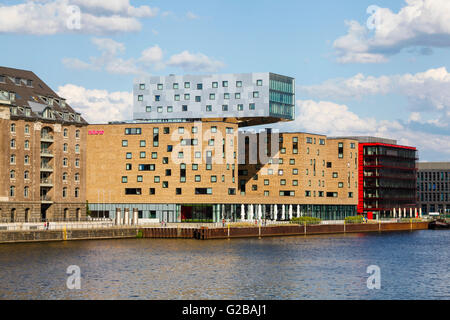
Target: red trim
point(387, 145)
point(360, 206)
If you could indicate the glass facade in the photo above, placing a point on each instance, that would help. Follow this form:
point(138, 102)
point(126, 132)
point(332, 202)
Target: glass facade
point(282, 96)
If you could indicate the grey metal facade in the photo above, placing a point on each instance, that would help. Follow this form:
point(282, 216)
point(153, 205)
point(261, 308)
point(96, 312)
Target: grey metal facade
point(247, 95)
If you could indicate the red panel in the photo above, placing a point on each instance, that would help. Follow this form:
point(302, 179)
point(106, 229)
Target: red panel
point(370, 215)
point(360, 207)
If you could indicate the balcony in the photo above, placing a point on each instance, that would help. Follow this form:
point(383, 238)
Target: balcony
point(46, 199)
point(45, 137)
point(46, 182)
point(46, 167)
point(46, 153)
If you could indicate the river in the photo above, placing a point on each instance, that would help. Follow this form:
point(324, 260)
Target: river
point(412, 265)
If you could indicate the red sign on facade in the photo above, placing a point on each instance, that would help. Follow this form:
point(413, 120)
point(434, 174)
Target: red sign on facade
point(96, 132)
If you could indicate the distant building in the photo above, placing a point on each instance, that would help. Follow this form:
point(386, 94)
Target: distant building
point(433, 186)
point(43, 144)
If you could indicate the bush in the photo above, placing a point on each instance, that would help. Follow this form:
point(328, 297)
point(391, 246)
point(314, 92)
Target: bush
point(307, 220)
point(354, 219)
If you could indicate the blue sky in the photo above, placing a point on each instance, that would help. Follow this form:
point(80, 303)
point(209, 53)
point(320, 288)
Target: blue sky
point(388, 79)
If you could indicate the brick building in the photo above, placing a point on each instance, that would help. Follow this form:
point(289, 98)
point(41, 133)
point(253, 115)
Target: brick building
point(43, 143)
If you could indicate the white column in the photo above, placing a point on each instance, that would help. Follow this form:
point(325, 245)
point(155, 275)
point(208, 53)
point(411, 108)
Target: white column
point(275, 212)
point(118, 216)
point(125, 216)
point(283, 212)
point(298, 211)
point(135, 216)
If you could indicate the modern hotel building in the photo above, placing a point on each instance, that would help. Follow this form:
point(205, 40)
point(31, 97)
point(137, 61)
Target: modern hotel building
point(43, 144)
point(183, 158)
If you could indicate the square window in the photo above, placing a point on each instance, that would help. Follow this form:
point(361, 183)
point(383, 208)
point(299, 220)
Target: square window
point(166, 130)
point(198, 98)
point(214, 129)
point(142, 86)
point(255, 94)
point(177, 97)
point(160, 109)
point(209, 108)
point(156, 179)
point(142, 143)
point(199, 86)
point(160, 86)
point(259, 83)
point(225, 107)
point(142, 155)
point(124, 143)
point(157, 97)
point(169, 109)
point(175, 85)
point(187, 85)
point(140, 179)
point(238, 84)
point(237, 95)
point(240, 107)
point(187, 96)
point(184, 108)
point(224, 84)
point(226, 96)
point(140, 98)
point(215, 84)
point(251, 106)
point(148, 109)
point(212, 96)
point(194, 166)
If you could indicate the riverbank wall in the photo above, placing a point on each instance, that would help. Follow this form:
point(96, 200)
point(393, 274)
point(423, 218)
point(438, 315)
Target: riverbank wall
point(204, 233)
point(63, 235)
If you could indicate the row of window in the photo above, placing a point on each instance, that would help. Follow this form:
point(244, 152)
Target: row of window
point(26, 192)
point(157, 179)
point(26, 145)
point(166, 130)
point(178, 191)
point(432, 176)
point(208, 108)
point(187, 85)
point(187, 97)
point(27, 131)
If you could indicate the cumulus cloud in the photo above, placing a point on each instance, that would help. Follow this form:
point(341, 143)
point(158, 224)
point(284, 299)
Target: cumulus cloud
point(334, 119)
point(194, 62)
point(192, 16)
point(426, 92)
point(420, 23)
point(151, 57)
point(98, 106)
point(44, 17)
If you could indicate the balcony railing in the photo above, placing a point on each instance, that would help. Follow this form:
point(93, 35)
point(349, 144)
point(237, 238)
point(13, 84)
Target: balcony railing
point(46, 167)
point(46, 152)
point(46, 136)
point(47, 181)
point(46, 198)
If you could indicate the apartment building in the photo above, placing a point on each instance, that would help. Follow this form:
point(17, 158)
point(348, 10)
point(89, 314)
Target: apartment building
point(43, 143)
point(433, 187)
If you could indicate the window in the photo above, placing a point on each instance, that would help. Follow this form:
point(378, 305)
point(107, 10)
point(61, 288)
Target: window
point(12, 174)
point(140, 179)
point(152, 192)
point(133, 191)
point(251, 106)
point(240, 107)
point(133, 131)
point(166, 130)
point(129, 155)
point(226, 96)
point(148, 109)
point(194, 166)
point(169, 109)
point(142, 155)
point(128, 166)
point(184, 108)
point(187, 96)
point(198, 178)
point(295, 182)
point(215, 84)
point(209, 108)
point(26, 175)
point(212, 96)
point(13, 127)
point(255, 94)
point(64, 192)
point(165, 184)
point(237, 95)
point(295, 172)
point(142, 86)
point(283, 182)
point(154, 155)
point(187, 85)
point(225, 107)
point(27, 129)
point(26, 192)
point(335, 174)
point(156, 179)
point(259, 83)
point(12, 191)
point(194, 130)
point(140, 97)
point(340, 185)
point(213, 178)
point(13, 143)
point(203, 190)
point(198, 98)
point(160, 86)
point(142, 143)
point(238, 84)
point(77, 134)
point(124, 144)
point(77, 176)
point(124, 179)
point(65, 162)
point(175, 85)
point(232, 191)
point(176, 97)
point(224, 84)
point(77, 148)
point(77, 163)
point(12, 159)
point(199, 86)
point(27, 159)
point(213, 129)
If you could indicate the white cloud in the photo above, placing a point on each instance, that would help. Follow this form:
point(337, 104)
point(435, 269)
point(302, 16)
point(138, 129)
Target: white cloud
point(192, 16)
point(98, 106)
point(43, 17)
point(420, 23)
point(152, 57)
point(426, 92)
point(329, 118)
point(194, 62)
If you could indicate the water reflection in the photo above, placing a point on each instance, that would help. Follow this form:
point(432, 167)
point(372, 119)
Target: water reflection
point(414, 265)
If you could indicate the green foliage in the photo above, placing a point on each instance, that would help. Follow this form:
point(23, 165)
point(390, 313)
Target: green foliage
point(307, 220)
point(140, 234)
point(88, 211)
point(354, 219)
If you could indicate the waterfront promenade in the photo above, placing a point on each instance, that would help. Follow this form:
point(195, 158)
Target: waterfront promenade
point(60, 231)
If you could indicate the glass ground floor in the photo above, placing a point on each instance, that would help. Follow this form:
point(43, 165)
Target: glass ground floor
point(218, 212)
